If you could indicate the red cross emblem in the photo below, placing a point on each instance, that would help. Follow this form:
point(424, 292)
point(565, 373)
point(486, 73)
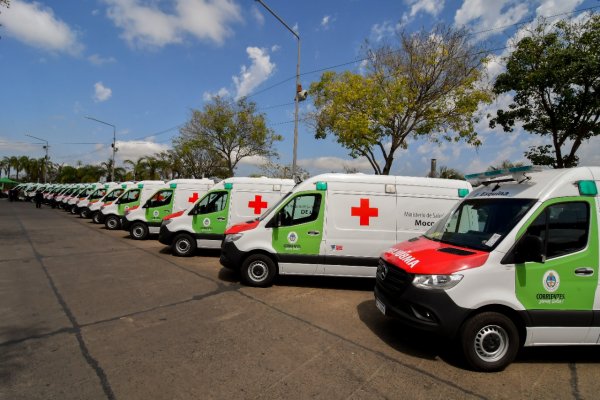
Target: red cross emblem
point(364, 212)
point(257, 204)
point(193, 198)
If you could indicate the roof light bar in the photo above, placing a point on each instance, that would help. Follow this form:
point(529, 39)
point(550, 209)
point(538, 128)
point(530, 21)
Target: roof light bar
point(515, 173)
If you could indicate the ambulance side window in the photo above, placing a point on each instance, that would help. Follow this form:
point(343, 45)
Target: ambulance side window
point(161, 198)
point(213, 202)
point(301, 209)
point(563, 228)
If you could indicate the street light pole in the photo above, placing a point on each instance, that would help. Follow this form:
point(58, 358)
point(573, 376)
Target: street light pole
point(297, 97)
point(114, 146)
point(46, 146)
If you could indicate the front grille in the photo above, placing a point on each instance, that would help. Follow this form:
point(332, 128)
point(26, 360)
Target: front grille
point(392, 278)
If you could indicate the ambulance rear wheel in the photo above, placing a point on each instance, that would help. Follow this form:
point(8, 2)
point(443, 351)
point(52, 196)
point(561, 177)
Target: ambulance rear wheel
point(138, 231)
point(96, 217)
point(490, 341)
point(258, 270)
point(112, 222)
point(184, 245)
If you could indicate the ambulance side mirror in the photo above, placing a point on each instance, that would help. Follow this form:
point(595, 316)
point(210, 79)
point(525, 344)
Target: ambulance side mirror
point(529, 248)
point(147, 204)
point(193, 211)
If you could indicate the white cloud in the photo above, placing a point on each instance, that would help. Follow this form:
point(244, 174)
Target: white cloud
point(432, 7)
point(485, 15)
point(259, 71)
point(257, 15)
point(275, 48)
point(335, 164)
point(384, 30)
point(99, 60)
point(208, 96)
point(36, 25)
point(553, 7)
point(147, 25)
point(101, 92)
point(133, 150)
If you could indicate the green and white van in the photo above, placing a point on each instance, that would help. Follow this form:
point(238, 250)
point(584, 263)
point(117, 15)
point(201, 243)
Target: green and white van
point(337, 225)
point(230, 202)
point(514, 264)
point(109, 197)
point(112, 213)
point(178, 195)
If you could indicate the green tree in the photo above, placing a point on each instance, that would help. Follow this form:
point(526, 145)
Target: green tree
point(450, 173)
point(428, 86)
point(198, 161)
point(273, 169)
point(555, 76)
point(138, 168)
point(506, 164)
point(232, 130)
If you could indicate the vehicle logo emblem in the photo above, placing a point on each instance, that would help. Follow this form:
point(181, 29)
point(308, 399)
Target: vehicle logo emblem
point(292, 237)
point(382, 271)
point(206, 222)
point(155, 213)
point(551, 281)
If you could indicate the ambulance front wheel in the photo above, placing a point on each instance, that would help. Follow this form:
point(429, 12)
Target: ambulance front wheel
point(258, 270)
point(112, 222)
point(490, 341)
point(184, 245)
point(96, 217)
point(138, 231)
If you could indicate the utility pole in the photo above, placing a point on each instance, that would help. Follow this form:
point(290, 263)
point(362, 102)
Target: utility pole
point(298, 98)
point(45, 147)
point(114, 146)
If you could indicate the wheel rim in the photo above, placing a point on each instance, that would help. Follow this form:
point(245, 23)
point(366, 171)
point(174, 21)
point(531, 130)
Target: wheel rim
point(138, 231)
point(491, 343)
point(258, 271)
point(111, 223)
point(96, 218)
point(183, 246)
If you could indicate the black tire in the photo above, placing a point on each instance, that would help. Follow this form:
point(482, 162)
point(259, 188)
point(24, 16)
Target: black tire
point(138, 230)
point(258, 270)
point(112, 222)
point(84, 213)
point(490, 341)
point(96, 217)
point(73, 210)
point(184, 245)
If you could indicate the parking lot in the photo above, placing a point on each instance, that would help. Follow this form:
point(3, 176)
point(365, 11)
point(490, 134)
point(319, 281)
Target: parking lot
point(87, 313)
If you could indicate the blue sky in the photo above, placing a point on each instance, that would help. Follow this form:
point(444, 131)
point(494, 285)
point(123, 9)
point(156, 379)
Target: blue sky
point(142, 65)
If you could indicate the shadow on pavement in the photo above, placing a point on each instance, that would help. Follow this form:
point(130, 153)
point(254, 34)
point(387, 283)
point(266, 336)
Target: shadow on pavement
point(12, 352)
point(405, 339)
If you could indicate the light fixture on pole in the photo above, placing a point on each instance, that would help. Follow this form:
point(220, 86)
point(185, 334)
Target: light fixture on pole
point(114, 146)
point(300, 94)
point(45, 147)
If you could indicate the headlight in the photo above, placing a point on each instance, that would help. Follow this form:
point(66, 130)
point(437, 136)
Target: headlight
point(233, 237)
point(436, 281)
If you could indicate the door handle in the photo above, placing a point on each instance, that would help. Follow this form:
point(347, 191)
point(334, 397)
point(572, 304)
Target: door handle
point(584, 271)
point(313, 233)
point(220, 218)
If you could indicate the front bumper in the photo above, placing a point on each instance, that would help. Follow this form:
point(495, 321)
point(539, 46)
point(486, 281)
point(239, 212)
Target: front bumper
point(165, 236)
point(231, 256)
point(428, 310)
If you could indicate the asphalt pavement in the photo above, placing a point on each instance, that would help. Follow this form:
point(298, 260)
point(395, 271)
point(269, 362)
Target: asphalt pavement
point(87, 313)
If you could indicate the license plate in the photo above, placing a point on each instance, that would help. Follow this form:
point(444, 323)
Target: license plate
point(380, 305)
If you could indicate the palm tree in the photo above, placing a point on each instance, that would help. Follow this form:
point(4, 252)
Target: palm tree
point(153, 167)
point(137, 167)
point(5, 166)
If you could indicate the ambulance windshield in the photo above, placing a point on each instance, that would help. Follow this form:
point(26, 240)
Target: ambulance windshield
point(479, 224)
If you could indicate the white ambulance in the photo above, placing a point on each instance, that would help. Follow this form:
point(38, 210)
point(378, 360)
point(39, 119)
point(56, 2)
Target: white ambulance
point(108, 198)
point(337, 225)
point(231, 201)
point(515, 263)
point(82, 207)
point(112, 213)
point(178, 195)
point(88, 189)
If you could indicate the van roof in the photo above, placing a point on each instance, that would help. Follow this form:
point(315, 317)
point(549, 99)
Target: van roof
point(385, 179)
point(540, 185)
